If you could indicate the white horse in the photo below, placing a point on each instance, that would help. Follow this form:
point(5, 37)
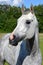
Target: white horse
point(21, 47)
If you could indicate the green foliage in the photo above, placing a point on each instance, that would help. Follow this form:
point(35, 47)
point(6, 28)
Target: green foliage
point(9, 16)
point(39, 14)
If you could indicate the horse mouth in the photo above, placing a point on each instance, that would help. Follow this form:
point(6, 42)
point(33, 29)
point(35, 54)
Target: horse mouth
point(13, 42)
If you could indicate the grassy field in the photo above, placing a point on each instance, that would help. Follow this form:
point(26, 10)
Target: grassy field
point(41, 44)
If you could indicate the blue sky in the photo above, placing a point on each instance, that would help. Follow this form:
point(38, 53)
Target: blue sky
point(27, 3)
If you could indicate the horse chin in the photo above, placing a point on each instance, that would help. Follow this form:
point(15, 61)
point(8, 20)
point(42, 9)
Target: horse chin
point(14, 44)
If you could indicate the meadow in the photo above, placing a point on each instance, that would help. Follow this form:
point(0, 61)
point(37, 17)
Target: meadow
point(41, 44)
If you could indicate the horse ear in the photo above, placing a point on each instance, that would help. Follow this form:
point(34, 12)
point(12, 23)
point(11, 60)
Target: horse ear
point(31, 9)
point(22, 9)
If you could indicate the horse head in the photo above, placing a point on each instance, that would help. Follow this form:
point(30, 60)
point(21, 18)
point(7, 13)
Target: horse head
point(26, 26)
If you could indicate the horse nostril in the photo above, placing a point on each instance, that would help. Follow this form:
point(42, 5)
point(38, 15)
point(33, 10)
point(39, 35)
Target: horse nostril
point(12, 37)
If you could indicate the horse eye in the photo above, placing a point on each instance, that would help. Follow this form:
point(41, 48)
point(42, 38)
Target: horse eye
point(27, 22)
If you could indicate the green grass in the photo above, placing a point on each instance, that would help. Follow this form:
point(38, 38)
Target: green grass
point(41, 45)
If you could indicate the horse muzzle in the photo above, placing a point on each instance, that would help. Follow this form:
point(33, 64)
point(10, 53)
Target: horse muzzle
point(13, 41)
